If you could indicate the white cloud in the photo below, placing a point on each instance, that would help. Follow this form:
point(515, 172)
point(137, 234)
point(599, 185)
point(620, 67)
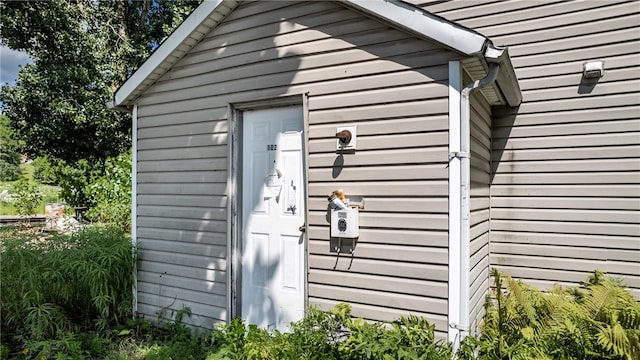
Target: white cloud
point(10, 62)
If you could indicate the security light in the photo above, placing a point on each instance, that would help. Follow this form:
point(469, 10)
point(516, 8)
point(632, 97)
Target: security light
point(593, 70)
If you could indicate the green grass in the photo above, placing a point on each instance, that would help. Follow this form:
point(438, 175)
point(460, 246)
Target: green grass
point(50, 194)
point(7, 209)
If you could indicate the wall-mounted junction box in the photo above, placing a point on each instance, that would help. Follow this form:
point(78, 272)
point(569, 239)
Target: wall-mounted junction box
point(344, 223)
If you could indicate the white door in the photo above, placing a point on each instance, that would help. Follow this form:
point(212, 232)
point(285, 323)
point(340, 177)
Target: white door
point(272, 213)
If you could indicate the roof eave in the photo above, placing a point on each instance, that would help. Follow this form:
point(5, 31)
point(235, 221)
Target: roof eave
point(507, 81)
point(464, 41)
point(405, 16)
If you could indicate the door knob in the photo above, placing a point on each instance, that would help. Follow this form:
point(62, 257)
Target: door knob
point(303, 228)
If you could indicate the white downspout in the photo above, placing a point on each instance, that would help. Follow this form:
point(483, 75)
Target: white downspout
point(455, 88)
point(459, 198)
point(134, 200)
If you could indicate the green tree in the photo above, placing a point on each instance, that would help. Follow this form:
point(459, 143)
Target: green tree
point(9, 156)
point(83, 50)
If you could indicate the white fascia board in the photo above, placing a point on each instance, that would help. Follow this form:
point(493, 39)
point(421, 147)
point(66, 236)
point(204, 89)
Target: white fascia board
point(164, 50)
point(415, 20)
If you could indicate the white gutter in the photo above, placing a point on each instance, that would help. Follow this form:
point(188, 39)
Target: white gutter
point(459, 198)
point(134, 199)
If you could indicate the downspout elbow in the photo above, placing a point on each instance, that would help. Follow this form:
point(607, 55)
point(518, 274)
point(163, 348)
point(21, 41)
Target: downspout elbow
point(494, 68)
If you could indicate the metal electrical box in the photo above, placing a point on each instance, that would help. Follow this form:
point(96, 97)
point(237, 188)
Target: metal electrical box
point(344, 223)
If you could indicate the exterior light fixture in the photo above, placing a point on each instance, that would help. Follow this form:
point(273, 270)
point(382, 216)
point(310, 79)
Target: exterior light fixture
point(593, 70)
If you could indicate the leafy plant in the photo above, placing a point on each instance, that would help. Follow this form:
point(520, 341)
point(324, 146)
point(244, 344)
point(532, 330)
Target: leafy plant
point(331, 335)
point(409, 338)
point(229, 339)
point(44, 170)
point(4, 351)
point(599, 321)
point(111, 193)
point(73, 179)
point(9, 156)
point(54, 286)
point(26, 197)
point(176, 341)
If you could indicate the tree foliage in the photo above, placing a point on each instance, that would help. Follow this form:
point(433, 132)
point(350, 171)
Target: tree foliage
point(83, 51)
point(111, 191)
point(9, 156)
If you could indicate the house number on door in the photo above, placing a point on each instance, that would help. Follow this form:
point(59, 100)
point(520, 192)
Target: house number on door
point(272, 147)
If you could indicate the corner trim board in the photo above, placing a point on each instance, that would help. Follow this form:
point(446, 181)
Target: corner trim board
point(134, 200)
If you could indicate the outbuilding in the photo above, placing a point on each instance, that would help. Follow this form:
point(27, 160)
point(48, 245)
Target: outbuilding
point(251, 113)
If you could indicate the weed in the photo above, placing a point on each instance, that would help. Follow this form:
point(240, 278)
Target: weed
point(229, 339)
point(598, 321)
point(53, 287)
point(331, 335)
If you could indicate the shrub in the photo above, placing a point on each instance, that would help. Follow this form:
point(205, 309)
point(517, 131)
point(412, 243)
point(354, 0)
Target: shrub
point(313, 337)
point(409, 338)
point(331, 335)
point(44, 171)
point(9, 170)
point(73, 179)
point(111, 193)
point(103, 187)
point(26, 197)
point(53, 287)
point(599, 321)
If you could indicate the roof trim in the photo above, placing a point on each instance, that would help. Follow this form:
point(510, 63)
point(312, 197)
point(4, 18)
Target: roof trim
point(406, 16)
point(507, 80)
point(402, 15)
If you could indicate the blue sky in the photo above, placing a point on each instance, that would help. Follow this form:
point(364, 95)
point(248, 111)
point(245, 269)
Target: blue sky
point(10, 62)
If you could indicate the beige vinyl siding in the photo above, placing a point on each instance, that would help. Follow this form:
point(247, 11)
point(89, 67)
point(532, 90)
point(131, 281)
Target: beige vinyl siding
point(400, 167)
point(566, 182)
point(353, 70)
point(480, 207)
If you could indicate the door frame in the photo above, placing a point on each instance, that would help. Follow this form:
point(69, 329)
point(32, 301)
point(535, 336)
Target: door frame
point(234, 186)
